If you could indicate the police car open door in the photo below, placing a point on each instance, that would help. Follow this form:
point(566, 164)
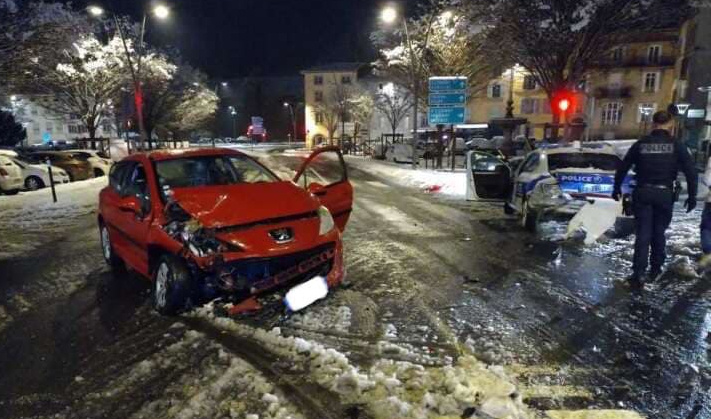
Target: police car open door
point(488, 177)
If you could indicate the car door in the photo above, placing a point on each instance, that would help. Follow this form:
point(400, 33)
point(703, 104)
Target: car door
point(490, 176)
point(324, 174)
point(110, 208)
point(136, 226)
point(526, 178)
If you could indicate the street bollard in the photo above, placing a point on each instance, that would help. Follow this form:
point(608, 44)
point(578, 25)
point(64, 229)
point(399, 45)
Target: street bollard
point(51, 181)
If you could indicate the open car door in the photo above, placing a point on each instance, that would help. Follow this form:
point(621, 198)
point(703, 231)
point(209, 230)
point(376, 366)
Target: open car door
point(324, 174)
point(488, 177)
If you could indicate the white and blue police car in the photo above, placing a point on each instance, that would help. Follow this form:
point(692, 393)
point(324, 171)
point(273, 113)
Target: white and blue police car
point(553, 179)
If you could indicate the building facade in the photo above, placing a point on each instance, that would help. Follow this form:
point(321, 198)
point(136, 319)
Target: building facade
point(322, 84)
point(44, 126)
point(615, 100)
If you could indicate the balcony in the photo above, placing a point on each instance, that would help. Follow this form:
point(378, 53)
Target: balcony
point(626, 62)
point(612, 92)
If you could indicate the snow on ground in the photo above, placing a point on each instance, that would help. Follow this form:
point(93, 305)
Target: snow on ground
point(30, 218)
point(388, 388)
point(450, 184)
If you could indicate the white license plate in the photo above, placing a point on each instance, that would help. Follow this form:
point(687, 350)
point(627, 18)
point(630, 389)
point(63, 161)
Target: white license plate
point(597, 188)
point(303, 295)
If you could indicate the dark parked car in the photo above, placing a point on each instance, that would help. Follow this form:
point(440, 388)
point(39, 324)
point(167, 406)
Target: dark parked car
point(77, 168)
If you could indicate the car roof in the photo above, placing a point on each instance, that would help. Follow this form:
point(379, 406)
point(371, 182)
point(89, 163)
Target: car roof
point(170, 154)
point(584, 148)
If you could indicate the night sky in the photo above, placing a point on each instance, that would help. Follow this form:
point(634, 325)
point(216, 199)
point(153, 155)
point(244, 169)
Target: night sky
point(234, 38)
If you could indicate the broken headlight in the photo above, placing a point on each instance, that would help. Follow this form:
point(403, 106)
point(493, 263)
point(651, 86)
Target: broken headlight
point(200, 241)
point(326, 223)
point(551, 191)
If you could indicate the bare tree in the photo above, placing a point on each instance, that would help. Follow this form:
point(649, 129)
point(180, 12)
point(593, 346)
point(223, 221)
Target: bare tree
point(558, 41)
point(394, 103)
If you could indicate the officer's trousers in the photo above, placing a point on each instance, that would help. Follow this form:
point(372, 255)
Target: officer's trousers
point(653, 213)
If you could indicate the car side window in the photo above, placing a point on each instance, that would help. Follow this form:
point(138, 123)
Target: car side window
point(531, 163)
point(136, 184)
point(116, 175)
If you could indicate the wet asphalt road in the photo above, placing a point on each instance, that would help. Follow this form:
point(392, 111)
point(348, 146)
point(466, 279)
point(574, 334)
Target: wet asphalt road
point(446, 275)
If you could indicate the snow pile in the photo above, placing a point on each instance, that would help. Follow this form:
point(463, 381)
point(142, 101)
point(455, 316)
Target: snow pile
point(28, 219)
point(392, 389)
point(337, 319)
point(452, 184)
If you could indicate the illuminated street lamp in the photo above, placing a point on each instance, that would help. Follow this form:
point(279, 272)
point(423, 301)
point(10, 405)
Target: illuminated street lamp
point(161, 12)
point(293, 117)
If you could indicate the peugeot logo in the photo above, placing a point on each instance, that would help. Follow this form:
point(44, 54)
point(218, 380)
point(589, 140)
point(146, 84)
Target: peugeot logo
point(282, 235)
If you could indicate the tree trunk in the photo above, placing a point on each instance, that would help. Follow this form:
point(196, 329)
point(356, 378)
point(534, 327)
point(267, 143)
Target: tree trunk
point(91, 130)
point(555, 122)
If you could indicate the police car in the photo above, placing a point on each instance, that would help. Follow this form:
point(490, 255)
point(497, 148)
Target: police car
point(552, 180)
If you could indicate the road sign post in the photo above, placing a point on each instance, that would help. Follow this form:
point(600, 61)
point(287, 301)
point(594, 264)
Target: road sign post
point(447, 100)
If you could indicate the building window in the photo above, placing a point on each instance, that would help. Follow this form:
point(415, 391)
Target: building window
point(651, 82)
point(318, 96)
point(529, 83)
point(318, 80)
point(529, 106)
point(345, 79)
point(318, 117)
point(618, 54)
point(496, 90)
point(73, 129)
point(645, 112)
point(654, 54)
point(50, 127)
point(612, 113)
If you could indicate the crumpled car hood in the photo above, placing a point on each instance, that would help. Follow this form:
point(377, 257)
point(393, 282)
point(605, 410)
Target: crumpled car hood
point(232, 205)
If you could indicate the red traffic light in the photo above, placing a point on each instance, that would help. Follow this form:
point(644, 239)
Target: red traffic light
point(563, 101)
point(563, 105)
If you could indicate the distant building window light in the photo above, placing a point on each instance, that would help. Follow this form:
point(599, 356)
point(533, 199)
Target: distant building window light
point(318, 80)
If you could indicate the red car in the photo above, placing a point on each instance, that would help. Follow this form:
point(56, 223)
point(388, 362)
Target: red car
point(211, 223)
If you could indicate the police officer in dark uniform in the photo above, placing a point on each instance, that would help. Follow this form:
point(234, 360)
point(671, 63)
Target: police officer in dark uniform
point(657, 159)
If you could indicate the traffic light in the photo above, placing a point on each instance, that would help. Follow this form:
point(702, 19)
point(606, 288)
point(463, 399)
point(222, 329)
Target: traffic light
point(563, 102)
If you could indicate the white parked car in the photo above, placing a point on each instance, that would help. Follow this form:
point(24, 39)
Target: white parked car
point(36, 176)
point(10, 176)
point(100, 164)
point(399, 153)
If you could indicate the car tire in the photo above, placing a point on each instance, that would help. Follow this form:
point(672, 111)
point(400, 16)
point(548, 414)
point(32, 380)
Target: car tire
point(71, 176)
point(172, 286)
point(33, 183)
point(107, 249)
point(529, 218)
point(12, 192)
point(98, 173)
point(508, 209)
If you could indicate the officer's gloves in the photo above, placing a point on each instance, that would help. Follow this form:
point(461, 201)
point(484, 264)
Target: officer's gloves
point(616, 194)
point(690, 204)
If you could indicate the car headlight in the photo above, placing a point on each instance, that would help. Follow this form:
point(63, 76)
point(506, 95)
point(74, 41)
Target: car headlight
point(551, 190)
point(326, 223)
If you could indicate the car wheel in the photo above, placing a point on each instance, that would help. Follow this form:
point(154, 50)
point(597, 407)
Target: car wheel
point(171, 286)
point(529, 218)
point(12, 192)
point(508, 209)
point(98, 173)
point(71, 176)
point(107, 249)
point(32, 183)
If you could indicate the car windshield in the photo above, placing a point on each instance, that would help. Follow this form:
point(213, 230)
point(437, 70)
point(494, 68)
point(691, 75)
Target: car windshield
point(597, 161)
point(211, 171)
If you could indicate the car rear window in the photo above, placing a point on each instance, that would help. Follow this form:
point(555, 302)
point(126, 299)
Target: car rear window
point(596, 161)
point(210, 171)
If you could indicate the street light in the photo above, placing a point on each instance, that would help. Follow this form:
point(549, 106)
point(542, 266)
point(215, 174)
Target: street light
point(293, 117)
point(160, 11)
point(234, 123)
point(388, 15)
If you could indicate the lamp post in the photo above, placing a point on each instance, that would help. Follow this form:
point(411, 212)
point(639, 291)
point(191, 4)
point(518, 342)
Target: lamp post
point(233, 112)
point(389, 15)
point(681, 108)
point(293, 118)
point(161, 12)
point(707, 119)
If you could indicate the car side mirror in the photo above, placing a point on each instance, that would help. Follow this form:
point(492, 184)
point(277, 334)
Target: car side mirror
point(130, 204)
point(316, 189)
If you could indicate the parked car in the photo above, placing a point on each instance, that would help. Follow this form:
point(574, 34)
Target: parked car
point(551, 180)
point(210, 223)
point(399, 153)
point(77, 168)
point(36, 176)
point(100, 162)
point(10, 176)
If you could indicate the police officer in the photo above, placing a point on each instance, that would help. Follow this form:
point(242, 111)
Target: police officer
point(657, 159)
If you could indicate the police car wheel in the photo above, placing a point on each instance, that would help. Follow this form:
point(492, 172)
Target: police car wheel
point(529, 218)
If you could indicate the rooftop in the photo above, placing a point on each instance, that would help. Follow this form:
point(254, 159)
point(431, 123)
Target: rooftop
point(335, 67)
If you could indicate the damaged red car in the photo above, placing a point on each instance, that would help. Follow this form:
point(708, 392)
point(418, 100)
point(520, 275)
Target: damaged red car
point(215, 223)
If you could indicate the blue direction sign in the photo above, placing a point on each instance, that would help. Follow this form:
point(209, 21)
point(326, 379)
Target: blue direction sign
point(446, 116)
point(451, 99)
point(447, 84)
